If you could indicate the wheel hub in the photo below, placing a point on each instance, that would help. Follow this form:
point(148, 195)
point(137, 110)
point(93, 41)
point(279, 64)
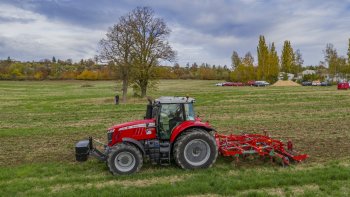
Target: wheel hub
point(197, 152)
point(124, 161)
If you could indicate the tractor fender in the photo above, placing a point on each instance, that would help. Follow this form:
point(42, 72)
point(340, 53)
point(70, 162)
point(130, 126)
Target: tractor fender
point(186, 125)
point(136, 143)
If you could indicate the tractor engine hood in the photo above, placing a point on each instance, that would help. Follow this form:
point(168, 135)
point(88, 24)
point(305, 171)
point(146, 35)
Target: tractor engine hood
point(137, 130)
point(133, 125)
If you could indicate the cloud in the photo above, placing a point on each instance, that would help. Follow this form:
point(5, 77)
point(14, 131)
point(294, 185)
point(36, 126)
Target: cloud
point(202, 31)
point(38, 37)
point(192, 46)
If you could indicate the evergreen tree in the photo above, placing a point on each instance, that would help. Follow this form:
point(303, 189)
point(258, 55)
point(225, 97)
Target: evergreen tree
point(53, 59)
point(263, 56)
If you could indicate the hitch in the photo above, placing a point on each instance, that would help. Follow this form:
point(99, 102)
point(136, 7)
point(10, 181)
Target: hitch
point(85, 148)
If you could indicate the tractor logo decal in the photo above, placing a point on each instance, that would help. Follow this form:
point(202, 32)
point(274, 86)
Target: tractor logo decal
point(148, 132)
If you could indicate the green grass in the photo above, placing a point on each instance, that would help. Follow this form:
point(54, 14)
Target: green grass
point(41, 121)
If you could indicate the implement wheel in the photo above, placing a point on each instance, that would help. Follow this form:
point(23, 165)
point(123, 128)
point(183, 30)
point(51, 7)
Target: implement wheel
point(124, 159)
point(195, 149)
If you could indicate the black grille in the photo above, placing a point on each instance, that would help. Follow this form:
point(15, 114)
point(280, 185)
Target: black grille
point(109, 136)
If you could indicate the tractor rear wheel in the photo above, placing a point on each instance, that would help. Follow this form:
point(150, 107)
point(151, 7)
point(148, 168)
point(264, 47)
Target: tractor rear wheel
point(195, 149)
point(124, 159)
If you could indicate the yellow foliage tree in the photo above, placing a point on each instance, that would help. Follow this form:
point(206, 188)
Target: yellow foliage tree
point(38, 75)
point(88, 75)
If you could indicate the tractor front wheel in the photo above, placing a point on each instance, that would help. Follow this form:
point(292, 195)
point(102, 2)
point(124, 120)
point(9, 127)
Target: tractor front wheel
point(195, 149)
point(124, 159)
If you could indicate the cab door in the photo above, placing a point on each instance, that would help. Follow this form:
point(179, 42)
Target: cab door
point(170, 116)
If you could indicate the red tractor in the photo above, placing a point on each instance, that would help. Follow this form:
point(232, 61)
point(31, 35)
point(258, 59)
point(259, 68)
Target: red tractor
point(169, 131)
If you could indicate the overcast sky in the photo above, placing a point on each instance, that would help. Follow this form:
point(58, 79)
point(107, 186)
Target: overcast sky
point(202, 31)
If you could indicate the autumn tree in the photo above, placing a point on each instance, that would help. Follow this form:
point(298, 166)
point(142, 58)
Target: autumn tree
point(178, 71)
point(342, 66)
point(248, 61)
point(245, 70)
point(331, 58)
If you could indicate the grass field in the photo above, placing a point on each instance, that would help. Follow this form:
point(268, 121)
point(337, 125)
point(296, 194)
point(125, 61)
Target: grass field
point(41, 121)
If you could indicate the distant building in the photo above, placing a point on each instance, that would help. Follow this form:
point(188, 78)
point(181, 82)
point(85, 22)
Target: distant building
point(308, 72)
point(281, 76)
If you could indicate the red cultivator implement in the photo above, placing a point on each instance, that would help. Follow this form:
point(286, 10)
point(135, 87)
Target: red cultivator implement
point(262, 145)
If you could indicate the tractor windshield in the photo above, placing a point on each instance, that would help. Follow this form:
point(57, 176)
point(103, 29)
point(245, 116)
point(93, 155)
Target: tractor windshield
point(189, 111)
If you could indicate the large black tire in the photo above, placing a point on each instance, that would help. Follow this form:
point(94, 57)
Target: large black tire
point(195, 149)
point(124, 159)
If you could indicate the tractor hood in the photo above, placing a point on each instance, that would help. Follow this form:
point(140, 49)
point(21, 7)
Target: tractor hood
point(133, 124)
point(135, 130)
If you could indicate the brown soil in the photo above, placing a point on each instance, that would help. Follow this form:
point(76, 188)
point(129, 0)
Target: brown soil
point(285, 83)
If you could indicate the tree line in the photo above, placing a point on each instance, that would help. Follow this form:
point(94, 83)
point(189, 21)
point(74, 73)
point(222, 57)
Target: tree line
point(270, 65)
point(55, 70)
point(92, 70)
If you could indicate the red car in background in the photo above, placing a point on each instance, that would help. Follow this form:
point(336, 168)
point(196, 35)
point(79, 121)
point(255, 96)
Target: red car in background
point(227, 84)
point(233, 84)
point(343, 86)
point(238, 84)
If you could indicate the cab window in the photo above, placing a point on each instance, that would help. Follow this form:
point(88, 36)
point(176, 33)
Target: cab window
point(170, 116)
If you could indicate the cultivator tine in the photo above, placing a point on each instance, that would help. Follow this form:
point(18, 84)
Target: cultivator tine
point(263, 145)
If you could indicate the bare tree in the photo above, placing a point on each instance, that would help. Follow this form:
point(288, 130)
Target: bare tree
point(236, 60)
point(116, 48)
point(150, 46)
point(136, 44)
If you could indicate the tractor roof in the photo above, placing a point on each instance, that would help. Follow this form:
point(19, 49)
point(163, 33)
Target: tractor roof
point(174, 99)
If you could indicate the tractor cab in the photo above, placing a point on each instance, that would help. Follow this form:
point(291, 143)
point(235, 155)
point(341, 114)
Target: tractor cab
point(169, 112)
